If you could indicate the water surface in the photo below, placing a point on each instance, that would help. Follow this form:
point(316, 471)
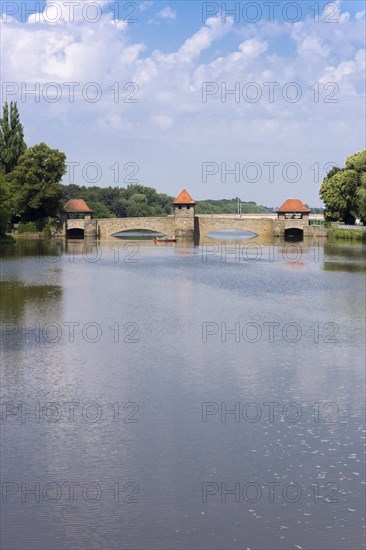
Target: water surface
point(180, 397)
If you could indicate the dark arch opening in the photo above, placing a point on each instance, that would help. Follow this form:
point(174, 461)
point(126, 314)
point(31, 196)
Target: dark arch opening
point(75, 233)
point(294, 234)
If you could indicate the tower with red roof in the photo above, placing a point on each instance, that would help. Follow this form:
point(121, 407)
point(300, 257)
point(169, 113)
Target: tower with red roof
point(184, 214)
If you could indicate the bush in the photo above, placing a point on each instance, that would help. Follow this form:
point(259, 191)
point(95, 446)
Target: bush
point(47, 229)
point(338, 233)
point(27, 227)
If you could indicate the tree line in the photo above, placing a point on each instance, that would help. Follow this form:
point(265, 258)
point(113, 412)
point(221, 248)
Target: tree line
point(31, 191)
point(137, 200)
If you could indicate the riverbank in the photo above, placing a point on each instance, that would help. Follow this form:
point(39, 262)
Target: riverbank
point(346, 234)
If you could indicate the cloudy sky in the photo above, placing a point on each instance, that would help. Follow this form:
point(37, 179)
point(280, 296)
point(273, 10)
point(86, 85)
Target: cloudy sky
point(256, 100)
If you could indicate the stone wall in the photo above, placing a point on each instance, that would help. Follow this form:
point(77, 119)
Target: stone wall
point(184, 221)
point(259, 226)
point(110, 226)
point(186, 225)
point(90, 227)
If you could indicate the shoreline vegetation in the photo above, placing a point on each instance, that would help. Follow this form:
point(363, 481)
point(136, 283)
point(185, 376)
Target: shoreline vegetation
point(32, 193)
point(337, 233)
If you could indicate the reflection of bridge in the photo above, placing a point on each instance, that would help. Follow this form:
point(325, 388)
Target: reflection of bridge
point(293, 218)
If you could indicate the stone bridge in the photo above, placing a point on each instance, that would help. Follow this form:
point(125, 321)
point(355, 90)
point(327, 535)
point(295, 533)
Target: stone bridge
point(110, 226)
point(263, 225)
point(260, 225)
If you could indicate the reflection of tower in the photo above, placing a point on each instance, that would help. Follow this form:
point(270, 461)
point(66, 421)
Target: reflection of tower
point(184, 214)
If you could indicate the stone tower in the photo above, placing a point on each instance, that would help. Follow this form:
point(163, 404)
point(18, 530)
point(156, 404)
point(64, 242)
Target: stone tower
point(184, 214)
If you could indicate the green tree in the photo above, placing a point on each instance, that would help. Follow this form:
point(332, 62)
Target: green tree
point(343, 192)
point(12, 144)
point(100, 210)
point(357, 161)
point(362, 198)
point(5, 203)
point(36, 183)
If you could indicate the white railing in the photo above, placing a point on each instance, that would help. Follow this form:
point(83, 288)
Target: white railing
point(354, 227)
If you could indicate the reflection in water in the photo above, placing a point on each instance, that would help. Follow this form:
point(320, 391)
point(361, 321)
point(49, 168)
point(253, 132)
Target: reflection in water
point(138, 235)
point(16, 297)
point(272, 323)
point(231, 235)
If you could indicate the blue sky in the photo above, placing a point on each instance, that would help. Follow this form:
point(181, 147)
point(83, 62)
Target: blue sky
point(298, 106)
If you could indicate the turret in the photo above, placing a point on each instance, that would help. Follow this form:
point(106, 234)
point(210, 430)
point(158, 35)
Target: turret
point(184, 214)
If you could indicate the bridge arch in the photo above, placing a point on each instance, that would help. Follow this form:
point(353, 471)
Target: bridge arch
point(294, 234)
point(108, 227)
point(75, 233)
point(262, 226)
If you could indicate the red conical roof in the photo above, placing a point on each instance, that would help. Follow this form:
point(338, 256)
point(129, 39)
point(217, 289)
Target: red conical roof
point(184, 198)
point(293, 205)
point(77, 205)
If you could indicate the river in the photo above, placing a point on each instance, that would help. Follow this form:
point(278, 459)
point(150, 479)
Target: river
point(178, 397)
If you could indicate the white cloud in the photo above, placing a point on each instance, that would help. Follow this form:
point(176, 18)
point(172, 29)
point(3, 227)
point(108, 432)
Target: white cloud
point(312, 45)
point(168, 13)
point(165, 13)
point(203, 39)
point(143, 6)
point(164, 122)
point(353, 67)
point(170, 85)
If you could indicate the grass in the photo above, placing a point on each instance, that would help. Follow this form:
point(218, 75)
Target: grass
point(349, 234)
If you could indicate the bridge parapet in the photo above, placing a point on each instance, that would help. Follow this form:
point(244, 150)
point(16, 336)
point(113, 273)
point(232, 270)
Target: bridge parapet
point(110, 226)
point(263, 225)
point(259, 226)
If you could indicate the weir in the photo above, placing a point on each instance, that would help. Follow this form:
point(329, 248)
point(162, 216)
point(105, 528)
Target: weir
point(290, 220)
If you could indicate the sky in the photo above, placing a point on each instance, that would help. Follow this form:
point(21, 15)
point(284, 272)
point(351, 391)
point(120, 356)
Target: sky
point(252, 99)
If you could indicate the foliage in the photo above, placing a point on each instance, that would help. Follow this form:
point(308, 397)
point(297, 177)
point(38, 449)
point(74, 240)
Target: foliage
point(27, 227)
point(5, 203)
point(36, 183)
point(48, 228)
point(357, 161)
point(362, 197)
point(344, 190)
point(139, 201)
point(134, 201)
point(12, 144)
point(229, 206)
point(100, 210)
point(339, 233)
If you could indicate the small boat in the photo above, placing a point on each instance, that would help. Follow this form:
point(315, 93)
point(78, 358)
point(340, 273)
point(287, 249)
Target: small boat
point(162, 240)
